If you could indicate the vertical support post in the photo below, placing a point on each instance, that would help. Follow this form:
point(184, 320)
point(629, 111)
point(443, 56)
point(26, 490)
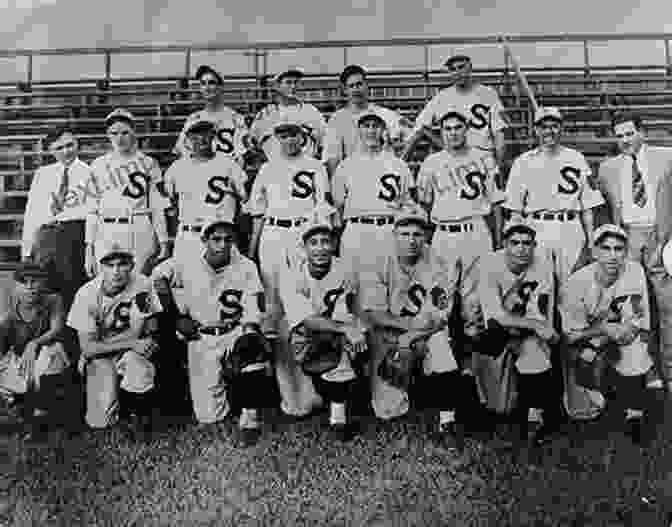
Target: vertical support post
point(108, 65)
point(187, 63)
point(586, 63)
point(29, 69)
point(345, 57)
point(668, 63)
point(425, 76)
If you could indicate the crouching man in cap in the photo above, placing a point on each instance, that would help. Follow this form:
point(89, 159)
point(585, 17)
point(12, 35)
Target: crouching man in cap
point(408, 301)
point(218, 295)
point(318, 297)
point(31, 351)
point(113, 315)
point(606, 317)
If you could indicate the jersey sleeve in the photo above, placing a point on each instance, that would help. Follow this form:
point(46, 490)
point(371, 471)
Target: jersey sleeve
point(82, 316)
point(253, 290)
point(159, 201)
point(322, 186)
point(571, 305)
point(489, 293)
point(318, 124)
point(641, 306)
point(91, 222)
point(333, 141)
point(494, 193)
point(257, 204)
point(169, 270)
point(425, 183)
point(590, 197)
point(374, 290)
point(260, 129)
point(239, 181)
point(297, 306)
point(516, 190)
point(180, 147)
point(498, 119)
point(339, 190)
point(406, 181)
point(240, 136)
point(426, 115)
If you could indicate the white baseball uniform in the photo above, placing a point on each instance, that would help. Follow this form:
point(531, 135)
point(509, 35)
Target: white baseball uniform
point(130, 207)
point(554, 190)
point(370, 190)
point(231, 132)
point(305, 114)
point(481, 105)
point(215, 298)
point(108, 318)
point(204, 189)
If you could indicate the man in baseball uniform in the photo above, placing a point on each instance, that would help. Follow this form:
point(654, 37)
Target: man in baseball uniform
point(110, 314)
point(516, 290)
point(368, 190)
point(217, 296)
point(288, 106)
point(131, 203)
point(481, 105)
point(408, 301)
point(605, 311)
point(342, 137)
point(202, 184)
point(550, 185)
point(231, 133)
point(325, 334)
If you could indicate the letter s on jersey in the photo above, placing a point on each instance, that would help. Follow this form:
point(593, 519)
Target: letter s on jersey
point(475, 181)
point(479, 119)
point(303, 184)
point(218, 188)
point(121, 317)
point(224, 140)
point(137, 185)
point(232, 309)
point(571, 175)
point(330, 299)
point(416, 295)
point(391, 187)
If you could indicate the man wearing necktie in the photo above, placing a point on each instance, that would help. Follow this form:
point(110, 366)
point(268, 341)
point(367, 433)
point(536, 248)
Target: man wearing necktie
point(637, 185)
point(58, 201)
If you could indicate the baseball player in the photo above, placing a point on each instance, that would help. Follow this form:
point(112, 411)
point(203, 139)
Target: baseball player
point(217, 294)
point(516, 290)
point(550, 185)
point(342, 135)
point(31, 347)
point(285, 193)
point(368, 190)
point(325, 335)
point(407, 301)
point(131, 203)
point(479, 103)
point(605, 311)
point(202, 184)
point(231, 133)
point(288, 106)
point(110, 314)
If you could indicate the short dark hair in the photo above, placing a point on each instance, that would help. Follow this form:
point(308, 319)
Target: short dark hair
point(613, 235)
point(626, 117)
point(519, 229)
point(57, 132)
point(349, 71)
point(204, 69)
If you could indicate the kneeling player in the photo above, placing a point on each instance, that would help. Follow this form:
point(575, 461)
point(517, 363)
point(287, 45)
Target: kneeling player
point(605, 312)
point(219, 302)
point(408, 301)
point(111, 314)
point(318, 296)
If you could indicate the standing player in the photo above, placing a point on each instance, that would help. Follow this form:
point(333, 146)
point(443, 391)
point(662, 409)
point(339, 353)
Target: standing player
point(131, 205)
point(285, 193)
point(220, 318)
point(288, 106)
point(550, 184)
point(230, 129)
point(202, 184)
point(479, 103)
point(408, 301)
point(318, 300)
point(342, 137)
point(109, 314)
point(368, 190)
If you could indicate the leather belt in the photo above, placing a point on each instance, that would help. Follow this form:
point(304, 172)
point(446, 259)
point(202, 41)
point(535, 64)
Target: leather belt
point(555, 216)
point(116, 220)
point(191, 228)
point(277, 222)
point(216, 331)
point(455, 227)
point(373, 220)
point(67, 222)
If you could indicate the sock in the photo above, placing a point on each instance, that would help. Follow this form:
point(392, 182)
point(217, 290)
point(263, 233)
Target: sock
point(337, 414)
point(249, 418)
point(446, 417)
point(534, 415)
point(633, 414)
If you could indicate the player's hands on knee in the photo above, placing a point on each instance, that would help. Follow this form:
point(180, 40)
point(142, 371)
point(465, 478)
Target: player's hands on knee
point(356, 337)
point(145, 347)
point(622, 334)
point(90, 261)
point(81, 364)
point(27, 362)
point(547, 332)
point(406, 340)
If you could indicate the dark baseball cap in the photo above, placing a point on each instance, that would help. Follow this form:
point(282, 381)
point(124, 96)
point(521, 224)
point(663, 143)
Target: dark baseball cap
point(203, 69)
point(291, 72)
point(200, 127)
point(348, 71)
point(456, 58)
point(370, 115)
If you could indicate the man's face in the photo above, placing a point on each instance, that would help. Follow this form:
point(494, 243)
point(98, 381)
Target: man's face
point(628, 137)
point(218, 244)
point(210, 86)
point(454, 133)
point(201, 143)
point(30, 288)
point(288, 86)
point(520, 248)
point(356, 89)
point(410, 240)
point(460, 72)
point(290, 140)
point(320, 248)
point(122, 136)
point(371, 133)
point(64, 149)
point(549, 132)
point(610, 254)
point(117, 272)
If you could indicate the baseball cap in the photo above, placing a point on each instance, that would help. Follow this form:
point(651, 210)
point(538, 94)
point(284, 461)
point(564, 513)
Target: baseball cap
point(287, 123)
point(115, 249)
point(321, 220)
point(371, 114)
point(221, 218)
point(458, 57)
point(454, 112)
point(204, 68)
point(200, 127)
point(29, 268)
point(352, 69)
point(119, 114)
point(411, 213)
point(547, 112)
point(290, 72)
point(608, 229)
point(518, 225)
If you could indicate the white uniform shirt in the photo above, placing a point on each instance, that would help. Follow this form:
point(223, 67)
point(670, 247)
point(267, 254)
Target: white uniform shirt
point(459, 186)
point(288, 188)
point(206, 188)
point(78, 201)
point(634, 214)
point(538, 182)
point(368, 185)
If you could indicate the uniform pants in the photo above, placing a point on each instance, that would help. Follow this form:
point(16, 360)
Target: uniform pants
point(51, 360)
point(138, 235)
point(466, 247)
point(537, 390)
point(188, 245)
point(565, 238)
point(365, 247)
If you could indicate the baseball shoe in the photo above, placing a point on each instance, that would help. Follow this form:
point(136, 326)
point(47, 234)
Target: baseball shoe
point(451, 436)
point(634, 429)
point(342, 432)
point(249, 436)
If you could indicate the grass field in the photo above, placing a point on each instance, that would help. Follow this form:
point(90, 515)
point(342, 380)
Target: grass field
point(390, 475)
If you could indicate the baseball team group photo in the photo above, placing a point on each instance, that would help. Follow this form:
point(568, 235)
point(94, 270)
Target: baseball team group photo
point(459, 288)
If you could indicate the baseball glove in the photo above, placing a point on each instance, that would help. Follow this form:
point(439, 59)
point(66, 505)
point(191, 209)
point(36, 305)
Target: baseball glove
point(400, 365)
point(249, 349)
point(591, 369)
point(317, 353)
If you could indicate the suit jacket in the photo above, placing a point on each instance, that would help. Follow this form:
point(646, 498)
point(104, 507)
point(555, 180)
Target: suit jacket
point(660, 168)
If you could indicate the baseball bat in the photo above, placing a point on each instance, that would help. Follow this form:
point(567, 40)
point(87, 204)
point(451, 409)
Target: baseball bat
point(520, 75)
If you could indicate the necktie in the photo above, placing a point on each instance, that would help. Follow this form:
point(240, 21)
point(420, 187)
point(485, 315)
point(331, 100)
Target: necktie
point(638, 188)
point(57, 203)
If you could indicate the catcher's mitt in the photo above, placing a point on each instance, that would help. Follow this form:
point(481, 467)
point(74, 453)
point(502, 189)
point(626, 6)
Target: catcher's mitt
point(593, 374)
point(399, 365)
point(249, 349)
point(317, 353)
